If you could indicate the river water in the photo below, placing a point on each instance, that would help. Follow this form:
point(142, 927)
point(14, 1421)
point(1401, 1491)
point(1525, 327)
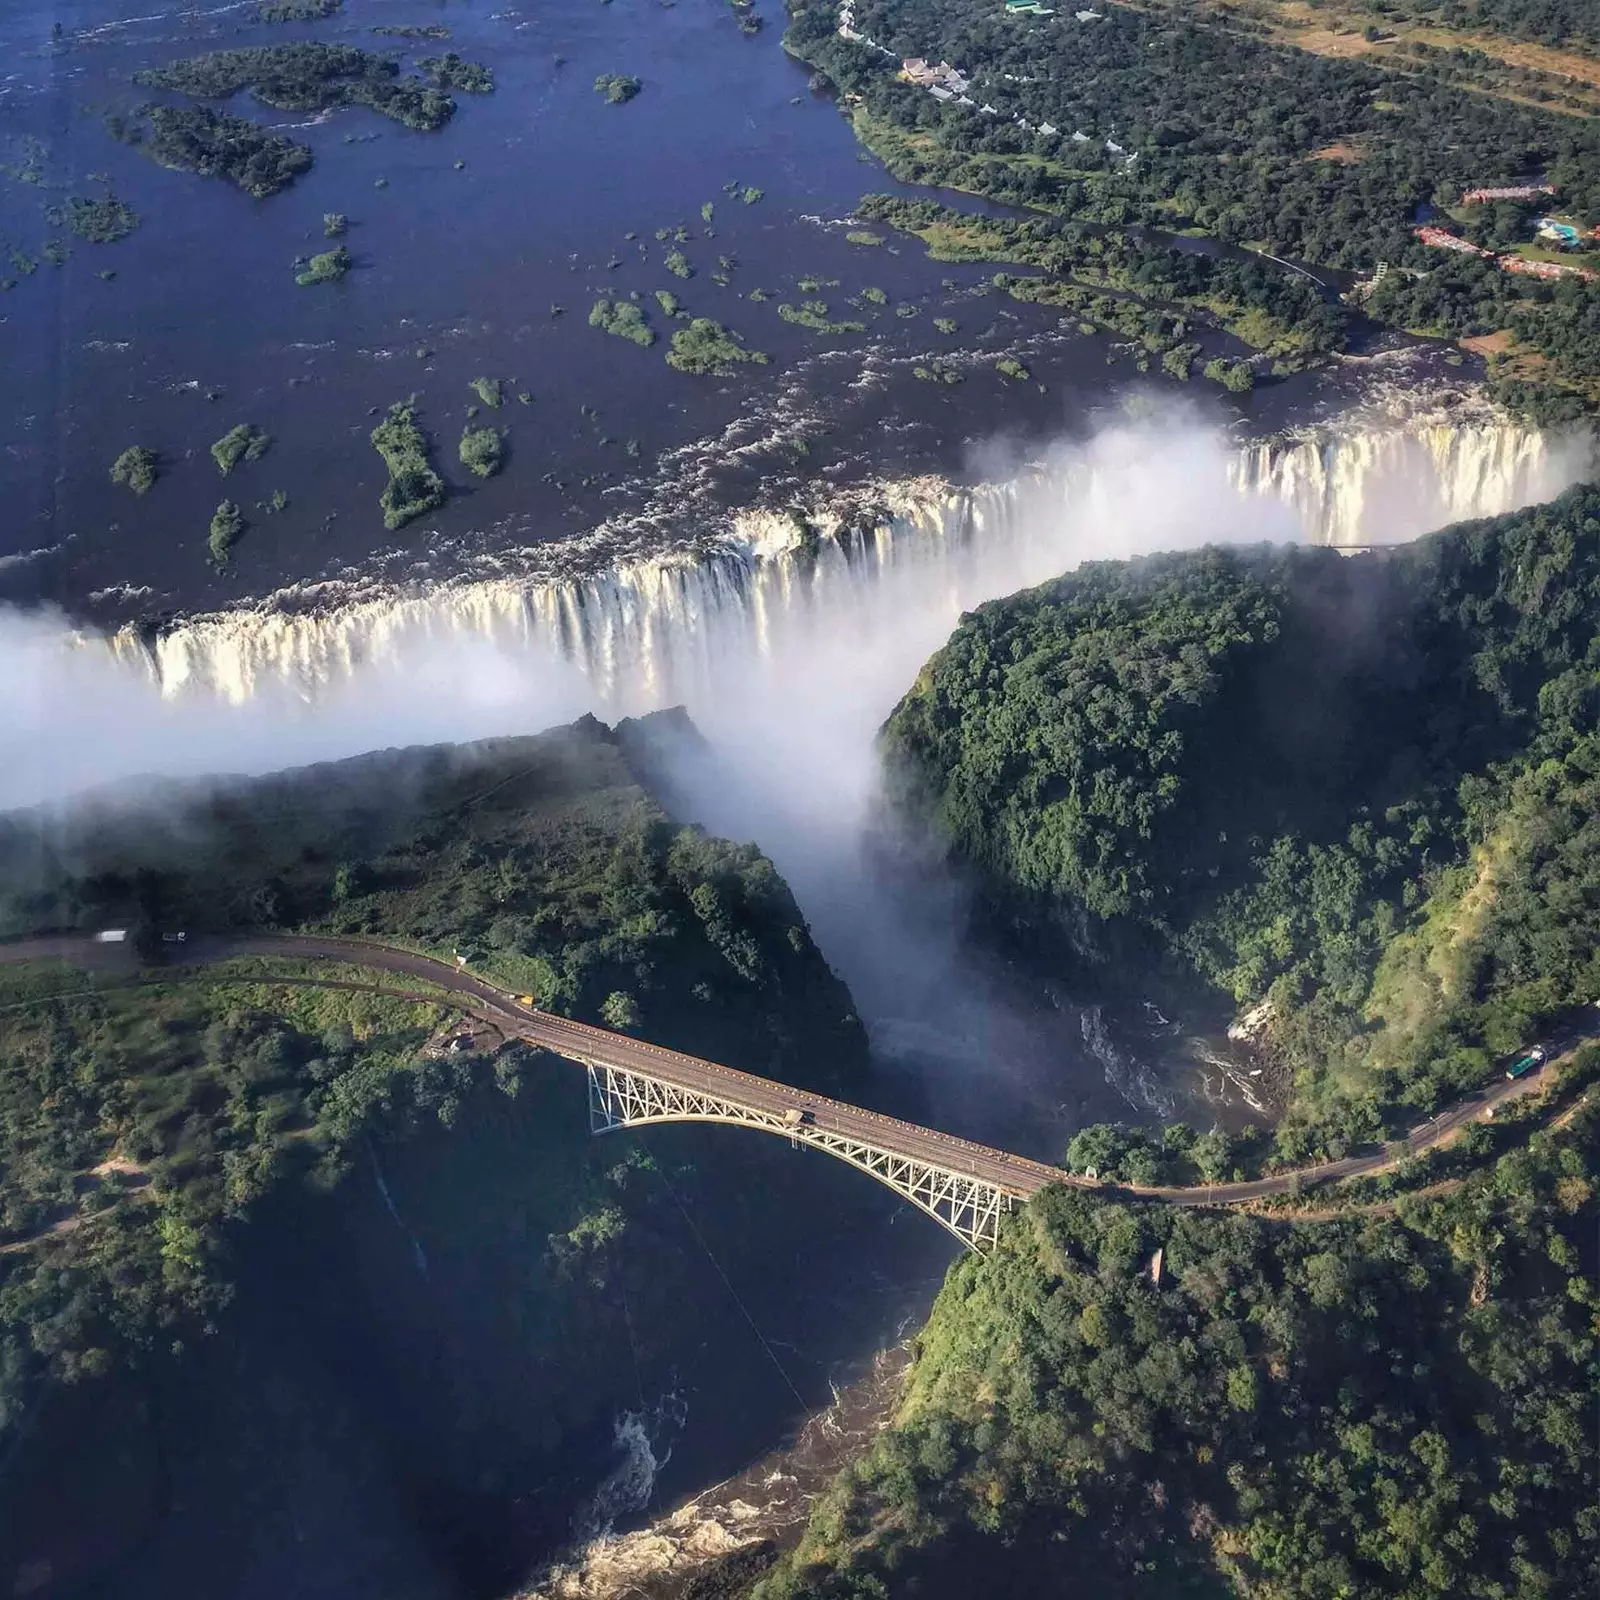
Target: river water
point(523, 203)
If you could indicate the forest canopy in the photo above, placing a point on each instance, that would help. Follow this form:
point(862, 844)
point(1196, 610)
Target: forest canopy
point(1362, 789)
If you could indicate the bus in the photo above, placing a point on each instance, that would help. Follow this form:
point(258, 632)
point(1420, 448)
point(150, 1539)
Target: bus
point(1523, 1065)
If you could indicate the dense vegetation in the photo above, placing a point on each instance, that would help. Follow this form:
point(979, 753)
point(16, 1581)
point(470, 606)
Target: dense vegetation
point(308, 76)
point(298, 10)
point(707, 349)
point(414, 488)
point(137, 468)
point(1362, 790)
point(1557, 23)
point(227, 526)
point(449, 71)
point(142, 1130)
point(1370, 1406)
point(197, 139)
point(102, 220)
point(1092, 273)
point(617, 87)
point(482, 451)
point(624, 319)
point(246, 442)
point(327, 266)
point(1183, 120)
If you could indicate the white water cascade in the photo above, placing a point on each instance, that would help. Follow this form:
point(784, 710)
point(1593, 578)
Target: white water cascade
point(652, 631)
point(816, 623)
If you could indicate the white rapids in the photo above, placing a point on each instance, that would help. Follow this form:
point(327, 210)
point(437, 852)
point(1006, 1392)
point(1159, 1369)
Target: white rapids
point(651, 630)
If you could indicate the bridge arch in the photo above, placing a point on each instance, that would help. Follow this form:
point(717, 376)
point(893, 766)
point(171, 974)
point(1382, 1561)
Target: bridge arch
point(963, 1204)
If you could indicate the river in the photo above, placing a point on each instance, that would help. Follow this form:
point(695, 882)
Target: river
point(540, 195)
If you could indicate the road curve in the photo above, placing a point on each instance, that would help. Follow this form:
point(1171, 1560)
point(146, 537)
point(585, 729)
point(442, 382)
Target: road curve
point(579, 1041)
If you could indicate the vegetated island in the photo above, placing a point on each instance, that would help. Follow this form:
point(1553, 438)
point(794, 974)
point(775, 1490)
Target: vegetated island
point(482, 451)
point(706, 349)
point(1358, 797)
point(298, 10)
point(617, 87)
point(1406, 169)
point(136, 468)
point(414, 488)
point(449, 71)
point(311, 76)
point(246, 442)
point(199, 140)
point(227, 527)
point(625, 319)
point(102, 220)
point(327, 266)
point(158, 1142)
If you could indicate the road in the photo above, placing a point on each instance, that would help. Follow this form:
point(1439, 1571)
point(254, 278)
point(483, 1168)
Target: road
point(578, 1041)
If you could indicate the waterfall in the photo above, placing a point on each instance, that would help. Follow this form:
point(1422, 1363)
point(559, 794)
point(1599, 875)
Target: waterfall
point(1387, 486)
point(654, 630)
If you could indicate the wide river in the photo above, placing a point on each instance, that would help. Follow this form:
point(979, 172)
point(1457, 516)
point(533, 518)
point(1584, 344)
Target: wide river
point(466, 242)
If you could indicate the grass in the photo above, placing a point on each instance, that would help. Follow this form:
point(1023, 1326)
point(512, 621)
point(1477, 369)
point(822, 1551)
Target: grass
point(490, 391)
point(862, 237)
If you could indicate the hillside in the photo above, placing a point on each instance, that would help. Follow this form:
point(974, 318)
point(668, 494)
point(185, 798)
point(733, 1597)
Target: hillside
point(1358, 789)
point(416, 1201)
point(1373, 1406)
point(1362, 790)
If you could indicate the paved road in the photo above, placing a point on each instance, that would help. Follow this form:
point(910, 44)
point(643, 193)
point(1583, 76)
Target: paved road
point(578, 1041)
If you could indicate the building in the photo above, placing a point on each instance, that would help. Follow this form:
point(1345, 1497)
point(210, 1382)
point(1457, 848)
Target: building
point(1440, 240)
point(1515, 191)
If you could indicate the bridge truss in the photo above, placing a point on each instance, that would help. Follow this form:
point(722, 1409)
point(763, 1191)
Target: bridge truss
point(967, 1206)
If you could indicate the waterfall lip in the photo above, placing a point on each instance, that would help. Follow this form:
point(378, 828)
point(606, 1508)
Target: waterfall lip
point(615, 593)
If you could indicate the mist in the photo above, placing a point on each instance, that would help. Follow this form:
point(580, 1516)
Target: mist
point(790, 712)
point(794, 711)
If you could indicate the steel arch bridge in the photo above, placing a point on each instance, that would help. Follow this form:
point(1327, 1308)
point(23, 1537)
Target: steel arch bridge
point(966, 1204)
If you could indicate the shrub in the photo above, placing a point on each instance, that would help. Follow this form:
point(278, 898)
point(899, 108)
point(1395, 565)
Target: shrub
point(244, 443)
point(483, 451)
point(227, 523)
point(136, 467)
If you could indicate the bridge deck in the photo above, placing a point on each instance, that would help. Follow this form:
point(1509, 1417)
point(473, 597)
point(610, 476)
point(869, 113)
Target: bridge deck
point(1015, 1175)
